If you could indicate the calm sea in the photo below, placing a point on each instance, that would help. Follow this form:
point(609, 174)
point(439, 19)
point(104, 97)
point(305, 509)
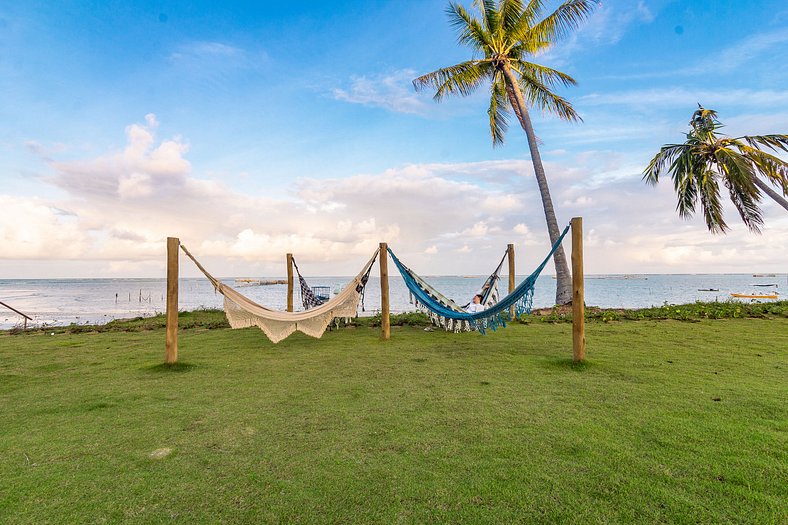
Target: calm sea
point(89, 301)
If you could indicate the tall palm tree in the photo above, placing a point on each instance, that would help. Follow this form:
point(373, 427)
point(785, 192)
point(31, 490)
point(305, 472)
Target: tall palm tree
point(504, 36)
point(699, 165)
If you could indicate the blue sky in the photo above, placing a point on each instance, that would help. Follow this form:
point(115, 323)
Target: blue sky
point(253, 129)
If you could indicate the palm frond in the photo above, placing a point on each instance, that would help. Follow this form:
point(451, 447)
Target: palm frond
point(540, 96)
point(773, 168)
point(470, 30)
point(499, 110)
point(662, 161)
point(683, 171)
point(748, 209)
point(559, 24)
point(736, 169)
point(547, 76)
point(490, 15)
point(709, 196)
point(529, 47)
point(773, 142)
point(511, 11)
point(462, 79)
point(531, 13)
point(738, 175)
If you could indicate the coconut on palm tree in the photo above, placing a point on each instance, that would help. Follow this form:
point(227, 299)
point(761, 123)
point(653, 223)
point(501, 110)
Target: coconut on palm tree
point(707, 159)
point(504, 37)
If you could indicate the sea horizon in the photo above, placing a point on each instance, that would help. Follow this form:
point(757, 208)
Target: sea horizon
point(97, 300)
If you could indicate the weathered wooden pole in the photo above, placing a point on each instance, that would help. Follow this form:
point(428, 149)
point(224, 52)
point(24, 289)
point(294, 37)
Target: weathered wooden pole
point(510, 257)
point(385, 319)
point(289, 282)
point(171, 342)
point(578, 293)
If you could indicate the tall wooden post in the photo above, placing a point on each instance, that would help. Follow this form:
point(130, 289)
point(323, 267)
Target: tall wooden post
point(385, 319)
point(510, 257)
point(578, 293)
point(171, 340)
point(289, 282)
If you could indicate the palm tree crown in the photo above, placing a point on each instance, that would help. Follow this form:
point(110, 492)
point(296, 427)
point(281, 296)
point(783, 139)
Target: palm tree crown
point(504, 35)
point(707, 159)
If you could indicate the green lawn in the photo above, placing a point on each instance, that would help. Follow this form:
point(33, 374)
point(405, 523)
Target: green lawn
point(669, 421)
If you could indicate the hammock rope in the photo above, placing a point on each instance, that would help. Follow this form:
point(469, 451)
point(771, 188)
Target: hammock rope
point(308, 298)
point(454, 318)
point(242, 312)
point(489, 291)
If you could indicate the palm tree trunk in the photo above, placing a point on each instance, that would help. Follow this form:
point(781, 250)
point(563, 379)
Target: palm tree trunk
point(563, 293)
point(770, 192)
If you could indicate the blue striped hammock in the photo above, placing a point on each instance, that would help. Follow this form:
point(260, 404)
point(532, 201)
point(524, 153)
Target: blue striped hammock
point(446, 313)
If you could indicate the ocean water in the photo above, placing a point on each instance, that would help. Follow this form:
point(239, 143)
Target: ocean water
point(88, 301)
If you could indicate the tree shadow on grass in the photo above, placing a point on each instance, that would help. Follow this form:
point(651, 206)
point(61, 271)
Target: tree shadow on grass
point(166, 368)
point(566, 363)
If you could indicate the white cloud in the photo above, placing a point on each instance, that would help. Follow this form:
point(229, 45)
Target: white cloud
point(121, 206)
point(606, 26)
point(44, 231)
point(683, 97)
point(139, 170)
point(741, 53)
point(124, 203)
point(134, 185)
point(611, 21)
point(393, 92)
point(206, 58)
point(726, 60)
point(477, 230)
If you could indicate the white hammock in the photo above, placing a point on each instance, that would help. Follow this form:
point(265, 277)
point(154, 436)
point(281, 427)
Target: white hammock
point(242, 312)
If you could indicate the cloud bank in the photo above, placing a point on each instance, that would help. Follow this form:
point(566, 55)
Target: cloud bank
point(118, 209)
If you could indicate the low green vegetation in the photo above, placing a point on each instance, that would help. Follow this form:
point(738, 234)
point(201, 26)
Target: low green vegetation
point(667, 422)
point(212, 318)
point(678, 312)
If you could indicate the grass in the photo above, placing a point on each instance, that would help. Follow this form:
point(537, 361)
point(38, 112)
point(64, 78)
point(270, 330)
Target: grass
point(667, 422)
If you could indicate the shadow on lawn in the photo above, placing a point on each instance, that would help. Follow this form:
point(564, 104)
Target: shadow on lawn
point(566, 363)
point(165, 368)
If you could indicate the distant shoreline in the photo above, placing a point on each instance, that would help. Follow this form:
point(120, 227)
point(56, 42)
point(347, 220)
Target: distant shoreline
point(755, 275)
point(61, 302)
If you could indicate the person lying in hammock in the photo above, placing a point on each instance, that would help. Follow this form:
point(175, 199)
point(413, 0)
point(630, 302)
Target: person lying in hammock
point(475, 304)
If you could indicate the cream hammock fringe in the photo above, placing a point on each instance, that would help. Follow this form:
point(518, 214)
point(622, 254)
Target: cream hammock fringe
point(242, 312)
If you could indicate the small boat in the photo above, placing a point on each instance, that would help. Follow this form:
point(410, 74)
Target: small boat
point(708, 289)
point(764, 275)
point(755, 295)
point(766, 285)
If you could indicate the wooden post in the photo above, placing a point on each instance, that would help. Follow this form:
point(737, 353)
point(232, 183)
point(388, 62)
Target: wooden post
point(289, 282)
point(171, 344)
point(510, 256)
point(25, 317)
point(385, 319)
point(578, 293)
